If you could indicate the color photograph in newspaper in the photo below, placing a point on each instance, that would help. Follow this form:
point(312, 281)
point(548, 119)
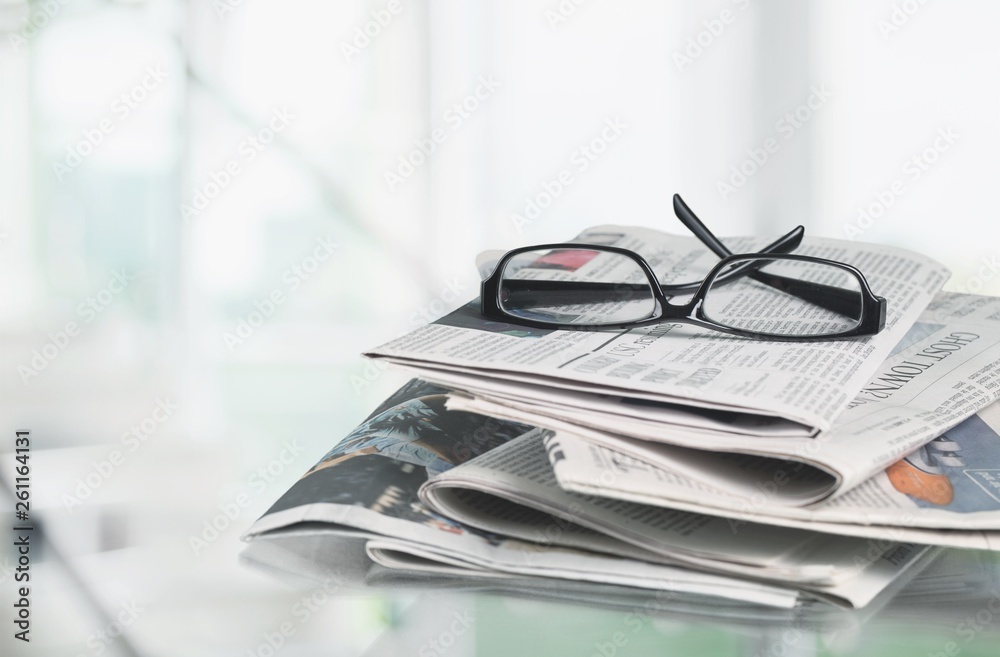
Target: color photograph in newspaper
point(380, 465)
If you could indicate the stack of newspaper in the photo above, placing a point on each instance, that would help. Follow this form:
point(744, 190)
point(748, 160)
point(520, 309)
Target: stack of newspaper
point(675, 458)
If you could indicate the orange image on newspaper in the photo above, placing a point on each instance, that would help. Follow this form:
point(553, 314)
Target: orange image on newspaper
point(923, 474)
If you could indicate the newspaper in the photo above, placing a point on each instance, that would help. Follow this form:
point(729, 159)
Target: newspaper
point(746, 387)
point(945, 493)
point(367, 486)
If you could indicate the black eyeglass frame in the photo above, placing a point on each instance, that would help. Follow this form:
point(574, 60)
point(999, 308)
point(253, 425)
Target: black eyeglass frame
point(871, 321)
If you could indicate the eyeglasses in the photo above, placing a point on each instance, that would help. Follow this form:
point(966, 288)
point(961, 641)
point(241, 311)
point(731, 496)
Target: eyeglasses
point(771, 294)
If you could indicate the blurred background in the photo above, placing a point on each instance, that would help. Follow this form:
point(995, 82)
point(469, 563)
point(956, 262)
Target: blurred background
point(209, 208)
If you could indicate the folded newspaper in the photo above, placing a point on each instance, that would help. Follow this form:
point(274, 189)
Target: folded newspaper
point(455, 493)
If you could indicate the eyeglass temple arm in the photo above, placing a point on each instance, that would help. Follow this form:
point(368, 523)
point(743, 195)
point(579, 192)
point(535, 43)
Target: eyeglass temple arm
point(541, 293)
point(831, 298)
point(828, 297)
point(784, 244)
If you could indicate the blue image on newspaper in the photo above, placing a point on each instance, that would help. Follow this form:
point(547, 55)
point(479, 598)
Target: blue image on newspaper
point(958, 471)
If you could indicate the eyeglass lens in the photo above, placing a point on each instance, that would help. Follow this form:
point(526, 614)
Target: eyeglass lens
point(786, 297)
point(576, 286)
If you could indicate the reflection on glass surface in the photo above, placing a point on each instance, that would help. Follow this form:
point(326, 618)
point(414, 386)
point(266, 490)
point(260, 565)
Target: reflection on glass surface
point(538, 616)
